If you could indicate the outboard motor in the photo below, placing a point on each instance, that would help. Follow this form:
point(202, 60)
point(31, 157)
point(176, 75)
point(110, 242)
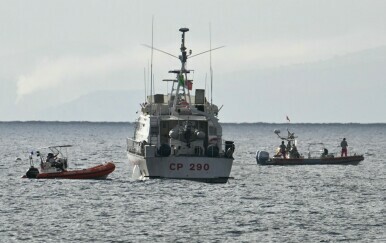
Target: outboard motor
point(32, 172)
point(262, 157)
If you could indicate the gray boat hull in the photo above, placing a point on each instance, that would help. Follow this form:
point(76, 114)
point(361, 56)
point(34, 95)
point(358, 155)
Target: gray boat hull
point(352, 160)
point(196, 168)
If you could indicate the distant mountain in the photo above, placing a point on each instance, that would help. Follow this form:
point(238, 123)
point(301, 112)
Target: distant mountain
point(97, 106)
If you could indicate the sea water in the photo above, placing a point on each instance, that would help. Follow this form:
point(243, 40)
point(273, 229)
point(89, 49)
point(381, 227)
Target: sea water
point(312, 203)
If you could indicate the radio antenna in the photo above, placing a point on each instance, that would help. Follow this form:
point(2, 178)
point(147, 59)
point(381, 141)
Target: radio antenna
point(210, 63)
point(144, 79)
point(151, 65)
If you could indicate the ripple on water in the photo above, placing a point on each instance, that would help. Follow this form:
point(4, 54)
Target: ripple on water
point(261, 203)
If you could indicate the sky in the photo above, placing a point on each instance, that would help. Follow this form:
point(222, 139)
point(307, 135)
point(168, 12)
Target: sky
point(314, 61)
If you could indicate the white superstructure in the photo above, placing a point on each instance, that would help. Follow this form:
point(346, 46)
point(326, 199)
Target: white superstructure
point(178, 135)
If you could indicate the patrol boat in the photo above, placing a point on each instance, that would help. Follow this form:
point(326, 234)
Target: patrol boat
point(178, 135)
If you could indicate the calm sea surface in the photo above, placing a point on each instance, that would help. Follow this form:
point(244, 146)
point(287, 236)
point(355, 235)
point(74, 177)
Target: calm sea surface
point(326, 203)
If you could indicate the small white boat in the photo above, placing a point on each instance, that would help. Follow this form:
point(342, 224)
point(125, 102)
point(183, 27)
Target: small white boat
point(317, 155)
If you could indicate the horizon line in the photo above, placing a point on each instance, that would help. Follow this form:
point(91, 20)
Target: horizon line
point(235, 123)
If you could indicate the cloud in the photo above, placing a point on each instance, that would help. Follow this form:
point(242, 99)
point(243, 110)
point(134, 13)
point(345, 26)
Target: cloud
point(51, 73)
point(274, 53)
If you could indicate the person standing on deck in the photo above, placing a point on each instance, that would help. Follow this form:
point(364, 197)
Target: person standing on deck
point(289, 147)
point(283, 149)
point(344, 146)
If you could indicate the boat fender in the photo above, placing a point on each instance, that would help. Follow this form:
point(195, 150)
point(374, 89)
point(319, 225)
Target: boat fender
point(32, 172)
point(229, 153)
point(229, 148)
point(212, 150)
point(199, 134)
point(164, 150)
point(174, 133)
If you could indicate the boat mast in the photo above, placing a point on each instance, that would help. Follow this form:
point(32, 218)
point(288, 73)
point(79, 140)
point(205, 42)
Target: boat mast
point(183, 57)
point(182, 74)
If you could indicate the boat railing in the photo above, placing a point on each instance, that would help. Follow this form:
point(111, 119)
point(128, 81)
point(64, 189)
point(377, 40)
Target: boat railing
point(351, 152)
point(335, 154)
